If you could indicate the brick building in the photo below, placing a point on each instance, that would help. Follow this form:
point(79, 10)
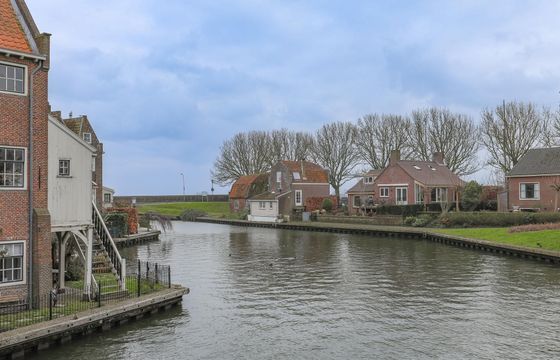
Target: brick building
point(244, 188)
point(360, 196)
point(533, 180)
point(25, 234)
point(407, 182)
point(290, 184)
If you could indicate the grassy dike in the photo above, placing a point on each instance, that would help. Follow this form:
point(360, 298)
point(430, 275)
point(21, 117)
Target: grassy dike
point(546, 239)
point(213, 209)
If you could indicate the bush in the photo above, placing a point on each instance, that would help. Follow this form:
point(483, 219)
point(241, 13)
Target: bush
point(471, 196)
point(192, 214)
point(409, 220)
point(490, 219)
point(535, 227)
point(403, 210)
point(327, 204)
point(117, 224)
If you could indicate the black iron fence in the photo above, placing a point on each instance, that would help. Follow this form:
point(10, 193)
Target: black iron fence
point(144, 278)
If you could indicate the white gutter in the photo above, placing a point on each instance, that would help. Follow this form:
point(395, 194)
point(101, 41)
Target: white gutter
point(22, 55)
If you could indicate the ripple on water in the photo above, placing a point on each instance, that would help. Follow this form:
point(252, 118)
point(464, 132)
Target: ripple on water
point(268, 294)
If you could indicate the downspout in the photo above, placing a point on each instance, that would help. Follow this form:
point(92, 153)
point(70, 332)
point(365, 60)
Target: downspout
point(30, 184)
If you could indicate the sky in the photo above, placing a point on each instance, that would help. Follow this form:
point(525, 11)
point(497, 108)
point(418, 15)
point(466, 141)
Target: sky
point(166, 82)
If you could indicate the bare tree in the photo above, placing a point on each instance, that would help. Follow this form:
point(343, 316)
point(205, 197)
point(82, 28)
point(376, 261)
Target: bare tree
point(551, 127)
point(244, 154)
point(453, 134)
point(509, 132)
point(335, 150)
point(290, 145)
point(378, 135)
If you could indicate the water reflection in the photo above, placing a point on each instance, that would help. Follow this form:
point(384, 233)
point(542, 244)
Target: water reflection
point(268, 294)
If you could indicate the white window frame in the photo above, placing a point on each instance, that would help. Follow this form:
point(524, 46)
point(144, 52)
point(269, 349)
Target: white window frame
point(25, 165)
point(262, 205)
point(87, 138)
point(419, 194)
point(69, 168)
point(111, 200)
point(23, 264)
point(270, 205)
point(25, 79)
point(537, 191)
point(383, 190)
point(368, 180)
point(439, 195)
point(354, 198)
point(93, 164)
point(298, 193)
point(400, 189)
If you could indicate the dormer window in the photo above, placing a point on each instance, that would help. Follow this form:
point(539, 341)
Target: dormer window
point(12, 79)
point(296, 175)
point(368, 180)
point(417, 167)
point(87, 137)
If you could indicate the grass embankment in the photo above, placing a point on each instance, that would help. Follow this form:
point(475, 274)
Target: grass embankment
point(546, 239)
point(213, 209)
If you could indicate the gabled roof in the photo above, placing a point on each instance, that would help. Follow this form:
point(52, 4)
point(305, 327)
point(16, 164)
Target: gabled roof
point(362, 187)
point(17, 27)
point(268, 196)
point(75, 124)
point(430, 173)
point(308, 172)
point(241, 189)
point(538, 162)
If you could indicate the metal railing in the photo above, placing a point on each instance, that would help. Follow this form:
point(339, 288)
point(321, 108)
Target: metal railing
point(146, 278)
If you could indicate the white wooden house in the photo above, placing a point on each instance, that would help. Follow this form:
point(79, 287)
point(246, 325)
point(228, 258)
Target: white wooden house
point(74, 216)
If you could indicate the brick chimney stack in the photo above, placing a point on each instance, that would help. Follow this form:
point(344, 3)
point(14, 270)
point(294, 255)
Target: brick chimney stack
point(437, 157)
point(395, 156)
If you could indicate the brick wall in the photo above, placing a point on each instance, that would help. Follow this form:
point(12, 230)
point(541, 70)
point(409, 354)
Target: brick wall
point(547, 194)
point(14, 131)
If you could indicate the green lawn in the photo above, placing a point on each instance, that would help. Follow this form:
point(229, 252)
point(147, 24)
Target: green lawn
point(546, 239)
point(214, 209)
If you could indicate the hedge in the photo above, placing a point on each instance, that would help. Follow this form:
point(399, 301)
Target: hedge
point(493, 219)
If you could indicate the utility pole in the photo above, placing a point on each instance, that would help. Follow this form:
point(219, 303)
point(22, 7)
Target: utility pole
point(184, 197)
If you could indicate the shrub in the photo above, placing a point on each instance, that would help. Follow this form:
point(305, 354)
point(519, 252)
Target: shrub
point(535, 227)
point(327, 204)
point(409, 220)
point(423, 220)
point(117, 224)
point(192, 214)
point(471, 195)
point(403, 210)
point(490, 219)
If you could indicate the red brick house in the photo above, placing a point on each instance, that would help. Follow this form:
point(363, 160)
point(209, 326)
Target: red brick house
point(290, 184)
point(531, 181)
point(407, 182)
point(25, 233)
point(244, 188)
point(361, 195)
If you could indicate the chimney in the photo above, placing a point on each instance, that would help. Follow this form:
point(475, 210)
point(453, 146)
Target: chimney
point(395, 156)
point(437, 157)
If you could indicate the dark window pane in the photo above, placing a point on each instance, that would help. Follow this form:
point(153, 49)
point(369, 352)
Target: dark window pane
point(3, 85)
point(19, 86)
point(2, 71)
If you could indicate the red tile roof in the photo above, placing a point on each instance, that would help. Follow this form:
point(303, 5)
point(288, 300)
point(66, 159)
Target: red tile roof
point(309, 172)
point(12, 36)
point(241, 189)
point(362, 187)
point(430, 173)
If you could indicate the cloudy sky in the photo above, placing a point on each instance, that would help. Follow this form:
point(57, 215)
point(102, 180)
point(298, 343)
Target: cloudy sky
point(166, 81)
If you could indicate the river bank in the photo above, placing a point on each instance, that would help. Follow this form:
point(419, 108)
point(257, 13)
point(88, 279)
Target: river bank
point(31, 339)
point(436, 235)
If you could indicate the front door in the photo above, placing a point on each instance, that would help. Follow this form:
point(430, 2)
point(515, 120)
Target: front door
point(402, 196)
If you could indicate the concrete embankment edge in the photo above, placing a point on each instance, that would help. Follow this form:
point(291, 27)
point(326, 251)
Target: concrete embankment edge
point(402, 232)
point(30, 339)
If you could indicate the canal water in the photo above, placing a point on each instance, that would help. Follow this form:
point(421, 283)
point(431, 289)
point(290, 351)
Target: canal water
point(274, 294)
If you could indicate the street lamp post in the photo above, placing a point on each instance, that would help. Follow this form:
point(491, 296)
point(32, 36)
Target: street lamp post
point(212, 189)
point(184, 197)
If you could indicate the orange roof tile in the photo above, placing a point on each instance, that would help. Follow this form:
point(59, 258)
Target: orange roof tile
point(242, 187)
point(310, 172)
point(12, 36)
